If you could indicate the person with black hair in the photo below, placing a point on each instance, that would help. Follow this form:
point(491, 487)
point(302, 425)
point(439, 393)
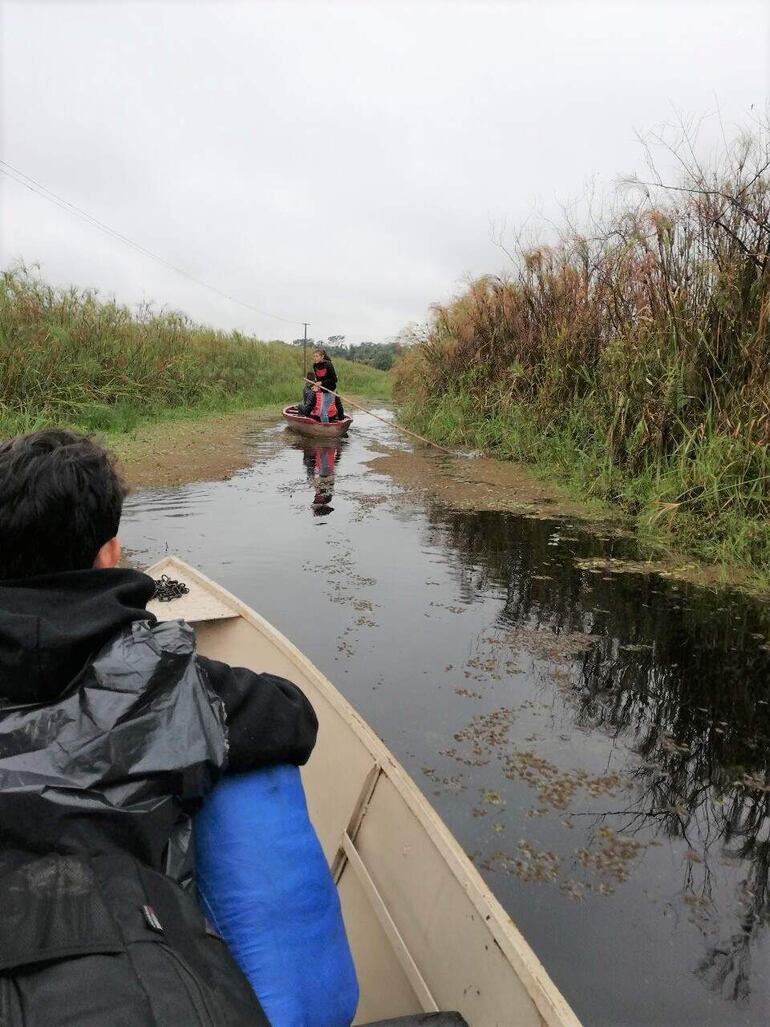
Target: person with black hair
point(112, 731)
point(308, 396)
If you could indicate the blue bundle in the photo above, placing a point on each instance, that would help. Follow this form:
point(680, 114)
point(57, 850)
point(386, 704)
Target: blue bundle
point(264, 883)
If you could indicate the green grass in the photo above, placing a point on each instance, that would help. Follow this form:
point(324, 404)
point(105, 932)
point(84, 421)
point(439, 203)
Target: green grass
point(69, 358)
point(685, 503)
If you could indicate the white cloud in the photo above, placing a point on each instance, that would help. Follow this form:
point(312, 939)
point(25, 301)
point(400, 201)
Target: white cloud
point(336, 162)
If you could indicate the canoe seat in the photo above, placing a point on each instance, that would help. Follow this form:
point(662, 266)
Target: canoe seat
point(423, 1020)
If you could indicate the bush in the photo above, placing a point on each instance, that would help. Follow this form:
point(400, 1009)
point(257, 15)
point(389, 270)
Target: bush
point(68, 357)
point(639, 351)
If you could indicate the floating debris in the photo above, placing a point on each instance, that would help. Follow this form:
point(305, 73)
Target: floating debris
point(492, 797)
point(575, 890)
point(451, 609)
point(612, 858)
point(556, 788)
point(756, 782)
point(486, 734)
point(546, 644)
point(530, 864)
point(669, 744)
point(454, 783)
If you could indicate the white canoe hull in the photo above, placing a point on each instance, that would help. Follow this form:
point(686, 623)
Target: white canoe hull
point(425, 931)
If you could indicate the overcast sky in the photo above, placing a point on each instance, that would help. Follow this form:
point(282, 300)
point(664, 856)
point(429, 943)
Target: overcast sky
point(344, 163)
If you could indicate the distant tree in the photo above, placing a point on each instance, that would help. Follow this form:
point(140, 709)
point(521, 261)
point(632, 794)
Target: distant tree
point(381, 355)
point(337, 340)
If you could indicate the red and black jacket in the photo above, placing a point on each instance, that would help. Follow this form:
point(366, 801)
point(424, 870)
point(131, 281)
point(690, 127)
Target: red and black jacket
point(325, 374)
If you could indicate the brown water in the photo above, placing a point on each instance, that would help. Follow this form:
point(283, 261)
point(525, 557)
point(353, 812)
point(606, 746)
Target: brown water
point(599, 743)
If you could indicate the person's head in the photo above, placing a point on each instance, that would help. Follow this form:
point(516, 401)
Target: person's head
point(319, 355)
point(61, 498)
point(310, 376)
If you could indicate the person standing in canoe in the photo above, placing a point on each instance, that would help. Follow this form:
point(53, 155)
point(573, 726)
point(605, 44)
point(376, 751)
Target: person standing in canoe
point(327, 377)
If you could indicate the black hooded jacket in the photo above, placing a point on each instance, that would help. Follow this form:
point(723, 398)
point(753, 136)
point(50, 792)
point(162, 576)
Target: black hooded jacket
point(51, 627)
point(112, 730)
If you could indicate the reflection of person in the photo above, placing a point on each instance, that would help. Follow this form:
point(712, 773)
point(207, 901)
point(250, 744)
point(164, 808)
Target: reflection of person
point(321, 506)
point(320, 464)
point(326, 376)
point(112, 731)
point(325, 461)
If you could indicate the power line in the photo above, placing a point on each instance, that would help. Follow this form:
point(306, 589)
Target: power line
point(40, 190)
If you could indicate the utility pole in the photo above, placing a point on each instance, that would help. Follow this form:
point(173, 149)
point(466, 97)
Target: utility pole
point(304, 350)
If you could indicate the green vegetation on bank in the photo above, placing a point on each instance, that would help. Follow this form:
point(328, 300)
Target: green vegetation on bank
point(69, 357)
point(631, 359)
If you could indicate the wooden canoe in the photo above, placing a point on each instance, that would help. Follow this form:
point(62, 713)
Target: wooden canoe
point(316, 429)
point(426, 932)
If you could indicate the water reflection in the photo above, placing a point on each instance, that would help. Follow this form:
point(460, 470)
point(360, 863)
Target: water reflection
point(680, 677)
point(321, 459)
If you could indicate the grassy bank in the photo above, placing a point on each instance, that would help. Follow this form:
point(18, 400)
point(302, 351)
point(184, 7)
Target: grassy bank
point(631, 360)
point(68, 357)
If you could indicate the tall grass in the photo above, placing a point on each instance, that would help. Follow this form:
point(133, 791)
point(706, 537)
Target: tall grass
point(633, 357)
point(69, 357)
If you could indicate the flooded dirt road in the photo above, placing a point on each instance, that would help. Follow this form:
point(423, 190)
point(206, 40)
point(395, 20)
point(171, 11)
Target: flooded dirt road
point(598, 740)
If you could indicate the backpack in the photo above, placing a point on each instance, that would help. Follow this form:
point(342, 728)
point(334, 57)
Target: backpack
point(108, 942)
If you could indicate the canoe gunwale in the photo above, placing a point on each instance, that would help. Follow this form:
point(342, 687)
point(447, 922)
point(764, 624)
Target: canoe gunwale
point(551, 1005)
point(311, 428)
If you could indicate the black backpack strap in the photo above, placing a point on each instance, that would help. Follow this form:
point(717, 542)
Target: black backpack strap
point(171, 913)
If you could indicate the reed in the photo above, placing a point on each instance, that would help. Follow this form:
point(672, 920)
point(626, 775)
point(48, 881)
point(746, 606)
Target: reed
point(632, 358)
point(70, 357)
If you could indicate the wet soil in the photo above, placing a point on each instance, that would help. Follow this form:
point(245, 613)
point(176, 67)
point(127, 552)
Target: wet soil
point(482, 483)
point(486, 484)
point(184, 451)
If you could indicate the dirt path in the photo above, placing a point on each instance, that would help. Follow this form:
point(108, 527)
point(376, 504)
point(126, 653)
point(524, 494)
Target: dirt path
point(488, 484)
point(482, 483)
point(177, 452)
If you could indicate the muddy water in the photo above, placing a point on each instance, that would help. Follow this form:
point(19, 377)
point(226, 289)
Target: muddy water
point(598, 742)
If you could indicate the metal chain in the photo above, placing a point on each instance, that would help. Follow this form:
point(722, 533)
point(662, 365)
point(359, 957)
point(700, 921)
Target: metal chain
point(168, 589)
